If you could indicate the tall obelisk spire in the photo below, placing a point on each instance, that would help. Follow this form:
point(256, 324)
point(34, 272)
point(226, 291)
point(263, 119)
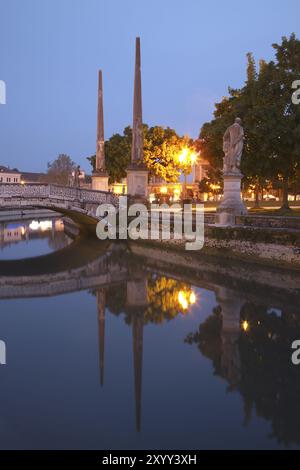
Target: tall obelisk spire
point(137, 336)
point(137, 150)
point(100, 295)
point(100, 155)
point(100, 176)
point(137, 173)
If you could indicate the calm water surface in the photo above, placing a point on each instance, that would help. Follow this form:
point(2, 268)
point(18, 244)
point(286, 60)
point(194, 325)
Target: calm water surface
point(106, 349)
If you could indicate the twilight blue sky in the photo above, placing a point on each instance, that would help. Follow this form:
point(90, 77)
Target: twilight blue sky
point(50, 51)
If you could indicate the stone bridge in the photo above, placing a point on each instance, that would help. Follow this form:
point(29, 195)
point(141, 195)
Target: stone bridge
point(96, 265)
point(78, 204)
point(99, 274)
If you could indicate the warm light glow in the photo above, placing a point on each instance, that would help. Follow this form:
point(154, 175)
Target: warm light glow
point(152, 197)
point(186, 298)
point(34, 225)
point(192, 297)
point(163, 190)
point(187, 157)
point(182, 300)
point(176, 193)
point(59, 225)
point(193, 158)
point(42, 225)
point(45, 225)
point(182, 157)
point(118, 188)
point(22, 182)
point(215, 186)
point(245, 325)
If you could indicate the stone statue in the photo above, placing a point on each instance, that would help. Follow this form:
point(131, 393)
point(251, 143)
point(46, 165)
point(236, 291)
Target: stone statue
point(233, 143)
point(77, 174)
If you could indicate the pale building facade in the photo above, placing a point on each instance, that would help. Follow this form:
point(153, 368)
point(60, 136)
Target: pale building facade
point(200, 170)
point(9, 176)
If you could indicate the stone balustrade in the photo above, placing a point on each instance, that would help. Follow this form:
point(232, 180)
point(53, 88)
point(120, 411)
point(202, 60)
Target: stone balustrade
point(52, 191)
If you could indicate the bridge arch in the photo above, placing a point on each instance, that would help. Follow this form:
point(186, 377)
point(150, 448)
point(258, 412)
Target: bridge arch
point(78, 204)
point(78, 266)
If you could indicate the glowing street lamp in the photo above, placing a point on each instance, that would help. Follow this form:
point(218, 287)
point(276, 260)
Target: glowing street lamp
point(186, 159)
point(183, 156)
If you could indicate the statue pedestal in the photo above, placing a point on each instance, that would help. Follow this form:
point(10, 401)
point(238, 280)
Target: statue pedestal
point(231, 204)
point(137, 182)
point(231, 306)
point(100, 181)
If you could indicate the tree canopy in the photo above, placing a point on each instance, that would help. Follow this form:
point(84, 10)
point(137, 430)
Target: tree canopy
point(161, 149)
point(271, 121)
point(60, 169)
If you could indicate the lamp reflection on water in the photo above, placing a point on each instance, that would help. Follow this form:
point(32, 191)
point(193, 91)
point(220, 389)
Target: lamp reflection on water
point(186, 298)
point(42, 225)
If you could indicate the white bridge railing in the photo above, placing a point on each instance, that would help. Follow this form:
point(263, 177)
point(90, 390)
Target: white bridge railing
point(53, 191)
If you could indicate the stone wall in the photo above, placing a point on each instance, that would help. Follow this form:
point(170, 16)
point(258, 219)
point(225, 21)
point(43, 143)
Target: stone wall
point(256, 220)
point(278, 236)
point(275, 221)
point(277, 247)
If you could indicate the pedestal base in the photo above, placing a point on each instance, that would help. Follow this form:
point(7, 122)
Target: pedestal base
point(137, 183)
point(100, 181)
point(231, 204)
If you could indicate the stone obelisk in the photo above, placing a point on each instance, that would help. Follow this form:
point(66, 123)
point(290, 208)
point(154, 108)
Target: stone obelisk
point(100, 175)
point(137, 173)
point(100, 296)
point(136, 305)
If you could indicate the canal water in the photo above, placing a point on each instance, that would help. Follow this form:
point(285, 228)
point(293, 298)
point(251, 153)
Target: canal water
point(114, 346)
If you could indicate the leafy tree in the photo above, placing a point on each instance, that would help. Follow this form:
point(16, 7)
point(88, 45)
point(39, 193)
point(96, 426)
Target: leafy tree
point(161, 149)
point(294, 183)
point(204, 185)
point(257, 165)
point(117, 155)
point(271, 121)
point(167, 298)
point(60, 170)
point(283, 141)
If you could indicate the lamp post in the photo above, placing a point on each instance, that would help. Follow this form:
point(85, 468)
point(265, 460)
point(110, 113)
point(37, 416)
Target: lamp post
point(187, 158)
